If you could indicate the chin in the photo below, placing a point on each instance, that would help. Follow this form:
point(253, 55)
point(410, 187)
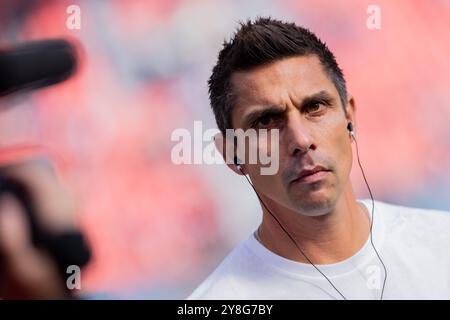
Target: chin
point(314, 205)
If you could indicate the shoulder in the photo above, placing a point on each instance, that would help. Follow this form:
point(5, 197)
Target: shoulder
point(223, 282)
point(408, 220)
point(395, 212)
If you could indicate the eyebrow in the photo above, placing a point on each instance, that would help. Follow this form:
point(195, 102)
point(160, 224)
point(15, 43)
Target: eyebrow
point(273, 110)
point(321, 96)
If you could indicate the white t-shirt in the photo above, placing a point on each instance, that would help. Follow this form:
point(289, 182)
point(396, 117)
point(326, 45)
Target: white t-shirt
point(413, 243)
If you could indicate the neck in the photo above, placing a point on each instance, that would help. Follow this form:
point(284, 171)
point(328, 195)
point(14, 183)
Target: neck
point(325, 239)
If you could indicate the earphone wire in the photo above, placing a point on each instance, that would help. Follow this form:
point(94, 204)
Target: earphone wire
point(371, 219)
point(292, 239)
point(300, 249)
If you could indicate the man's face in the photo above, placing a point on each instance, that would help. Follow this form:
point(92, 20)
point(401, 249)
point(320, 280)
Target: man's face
point(295, 96)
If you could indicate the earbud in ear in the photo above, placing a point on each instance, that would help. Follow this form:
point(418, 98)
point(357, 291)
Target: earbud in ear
point(350, 129)
point(237, 163)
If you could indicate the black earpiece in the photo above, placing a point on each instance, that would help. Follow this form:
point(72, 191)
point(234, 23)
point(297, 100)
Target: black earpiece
point(350, 129)
point(237, 163)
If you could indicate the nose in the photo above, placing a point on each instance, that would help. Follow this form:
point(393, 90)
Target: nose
point(298, 135)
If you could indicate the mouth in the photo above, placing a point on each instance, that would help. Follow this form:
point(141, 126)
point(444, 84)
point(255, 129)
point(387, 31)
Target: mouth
point(311, 175)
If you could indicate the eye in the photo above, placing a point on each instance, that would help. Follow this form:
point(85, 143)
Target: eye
point(269, 121)
point(265, 120)
point(314, 107)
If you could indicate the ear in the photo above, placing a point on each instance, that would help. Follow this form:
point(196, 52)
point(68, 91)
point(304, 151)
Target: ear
point(228, 155)
point(350, 113)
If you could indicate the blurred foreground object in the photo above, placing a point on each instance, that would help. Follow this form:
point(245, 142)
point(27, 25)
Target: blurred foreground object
point(39, 238)
point(35, 65)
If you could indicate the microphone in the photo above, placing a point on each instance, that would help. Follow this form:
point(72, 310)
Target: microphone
point(36, 64)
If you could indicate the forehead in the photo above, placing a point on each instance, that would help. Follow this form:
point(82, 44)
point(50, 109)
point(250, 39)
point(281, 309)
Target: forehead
point(291, 79)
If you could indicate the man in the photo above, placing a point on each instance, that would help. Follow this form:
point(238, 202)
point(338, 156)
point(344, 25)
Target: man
point(315, 239)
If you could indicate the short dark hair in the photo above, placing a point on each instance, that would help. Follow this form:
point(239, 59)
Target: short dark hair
point(258, 43)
